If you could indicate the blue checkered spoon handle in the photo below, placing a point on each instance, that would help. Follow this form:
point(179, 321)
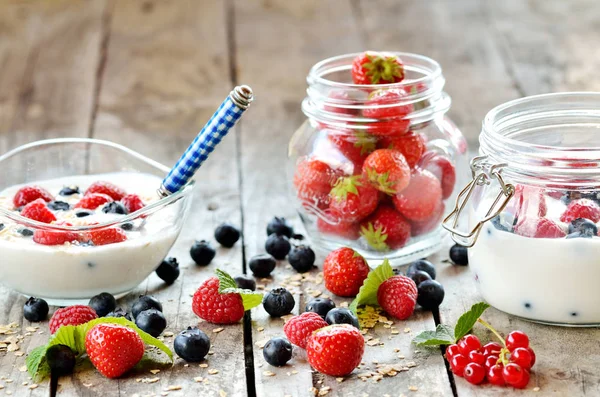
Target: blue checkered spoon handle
point(211, 135)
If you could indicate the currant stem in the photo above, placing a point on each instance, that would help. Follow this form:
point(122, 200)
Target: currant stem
point(488, 326)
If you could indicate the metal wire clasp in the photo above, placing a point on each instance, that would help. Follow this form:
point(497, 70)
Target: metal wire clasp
point(483, 173)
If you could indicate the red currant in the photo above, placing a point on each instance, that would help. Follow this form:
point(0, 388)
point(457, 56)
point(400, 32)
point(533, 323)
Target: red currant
point(468, 343)
point(474, 373)
point(492, 349)
point(458, 364)
point(452, 351)
point(516, 339)
point(494, 375)
point(477, 357)
point(490, 361)
point(532, 355)
point(512, 373)
point(523, 382)
point(522, 357)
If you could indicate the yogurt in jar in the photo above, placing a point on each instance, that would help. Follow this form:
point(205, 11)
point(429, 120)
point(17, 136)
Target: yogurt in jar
point(70, 272)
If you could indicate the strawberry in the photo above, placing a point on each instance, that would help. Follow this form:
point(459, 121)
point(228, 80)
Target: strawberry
point(27, 194)
point(397, 296)
point(298, 328)
point(418, 228)
point(372, 67)
point(539, 228)
point(421, 198)
point(113, 349)
point(132, 202)
point(210, 305)
point(102, 187)
point(443, 169)
point(354, 145)
point(353, 199)
point(583, 208)
point(55, 237)
point(335, 350)
point(106, 236)
point(93, 200)
point(71, 315)
point(387, 170)
point(344, 271)
point(411, 145)
point(385, 229)
point(389, 108)
point(313, 181)
point(38, 211)
point(337, 102)
point(348, 230)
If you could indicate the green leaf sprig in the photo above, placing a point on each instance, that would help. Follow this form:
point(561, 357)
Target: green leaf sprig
point(367, 295)
point(227, 285)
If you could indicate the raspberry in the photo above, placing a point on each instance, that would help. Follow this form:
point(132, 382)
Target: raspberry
point(353, 199)
point(102, 187)
point(539, 228)
point(421, 198)
point(113, 349)
point(106, 236)
point(27, 194)
point(54, 237)
point(397, 296)
point(468, 343)
point(583, 208)
point(71, 315)
point(93, 201)
point(217, 308)
point(387, 170)
point(522, 356)
point(132, 202)
point(458, 364)
point(335, 350)
point(443, 169)
point(494, 375)
point(474, 373)
point(411, 145)
point(517, 339)
point(299, 328)
point(344, 271)
point(348, 230)
point(38, 211)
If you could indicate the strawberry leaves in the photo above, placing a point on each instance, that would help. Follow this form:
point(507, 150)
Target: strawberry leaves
point(367, 295)
point(227, 285)
point(445, 334)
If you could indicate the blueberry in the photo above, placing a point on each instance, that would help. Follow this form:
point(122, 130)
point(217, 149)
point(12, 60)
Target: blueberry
point(83, 213)
point(58, 206)
point(419, 276)
point(144, 303)
point(60, 359)
point(262, 265)
point(421, 264)
point(168, 270)
point(245, 282)
point(23, 231)
point(35, 310)
point(115, 207)
point(280, 227)
point(278, 302)
point(584, 228)
point(1, 226)
point(431, 294)
point(192, 344)
point(278, 246)
point(69, 191)
point(127, 226)
point(202, 252)
point(321, 306)
point(458, 255)
point(227, 235)
point(277, 351)
point(341, 315)
point(499, 225)
point(103, 304)
point(151, 321)
point(118, 312)
point(302, 258)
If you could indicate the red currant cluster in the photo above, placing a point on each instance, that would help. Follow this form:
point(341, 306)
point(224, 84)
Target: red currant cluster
point(506, 364)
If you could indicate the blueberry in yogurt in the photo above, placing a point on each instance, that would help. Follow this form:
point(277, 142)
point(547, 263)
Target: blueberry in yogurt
point(59, 205)
point(582, 228)
point(69, 191)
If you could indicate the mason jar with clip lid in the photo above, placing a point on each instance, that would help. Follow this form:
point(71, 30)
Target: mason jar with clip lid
point(530, 214)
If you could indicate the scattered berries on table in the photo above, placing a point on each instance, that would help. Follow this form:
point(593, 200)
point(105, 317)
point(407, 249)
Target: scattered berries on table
point(344, 272)
point(69, 191)
point(61, 359)
point(262, 265)
point(387, 170)
point(38, 211)
point(341, 315)
point(71, 315)
point(59, 206)
point(27, 194)
point(132, 202)
point(115, 207)
point(385, 229)
point(119, 312)
point(217, 308)
point(418, 276)
point(192, 344)
point(430, 294)
point(151, 321)
point(145, 302)
point(423, 265)
point(458, 255)
point(397, 296)
point(277, 351)
point(421, 197)
point(245, 282)
point(278, 246)
point(103, 303)
point(302, 258)
point(202, 252)
point(113, 349)
point(93, 201)
point(35, 310)
point(278, 302)
point(168, 270)
point(372, 67)
point(227, 235)
point(299, 328)
point(353, 199)
point(280, 227)
point(107, 188)
point(582, 208)
point(321, 306)
point(335, 350)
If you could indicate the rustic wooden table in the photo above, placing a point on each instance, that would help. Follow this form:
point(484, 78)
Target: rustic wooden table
point(148, 74)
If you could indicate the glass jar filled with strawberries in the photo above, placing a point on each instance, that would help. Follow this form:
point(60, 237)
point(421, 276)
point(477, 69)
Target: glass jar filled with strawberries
point(377, 158)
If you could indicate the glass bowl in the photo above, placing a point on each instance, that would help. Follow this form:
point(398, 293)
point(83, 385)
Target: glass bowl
point(72, 273)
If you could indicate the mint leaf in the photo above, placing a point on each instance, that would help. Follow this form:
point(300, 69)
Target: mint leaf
point(227, 285)
point(367, 295)
point(443, 335)
point(36, 360)
point(468, 319)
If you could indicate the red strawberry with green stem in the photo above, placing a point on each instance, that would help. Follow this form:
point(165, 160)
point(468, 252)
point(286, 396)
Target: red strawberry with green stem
point(411, 145)
point(354, 145)
point(385, 229)
point(390, 110)
point(353, 198)
point(113, 349)
point(387, 170)
point(372, 67)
